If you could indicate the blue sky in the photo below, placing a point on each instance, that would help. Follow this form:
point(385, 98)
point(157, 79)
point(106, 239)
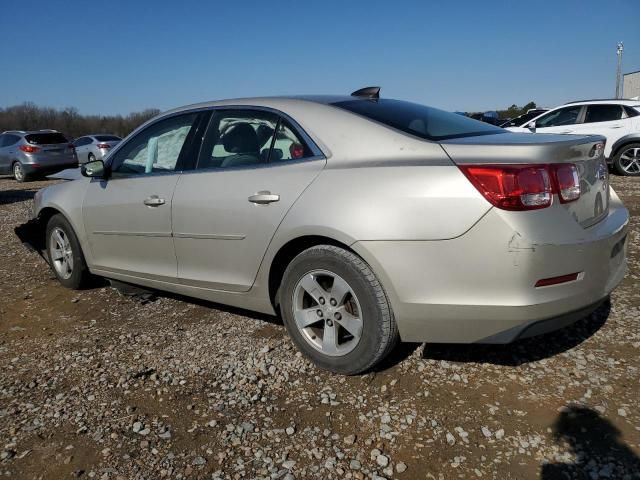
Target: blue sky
point(118, 56)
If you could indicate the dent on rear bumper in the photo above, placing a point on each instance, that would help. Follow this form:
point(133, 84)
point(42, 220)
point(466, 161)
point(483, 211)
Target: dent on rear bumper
point(480, 287)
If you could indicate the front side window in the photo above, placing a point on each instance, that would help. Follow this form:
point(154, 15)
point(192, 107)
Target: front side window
point(82, 142)
point(560, 117)
point(603, 113)
point(418, 120)
point(156, 149)
point(238, 138)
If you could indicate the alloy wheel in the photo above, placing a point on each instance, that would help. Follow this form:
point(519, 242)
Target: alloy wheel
point(61, 253)
point(18, 171)
point(630, 161)
point(327, 313)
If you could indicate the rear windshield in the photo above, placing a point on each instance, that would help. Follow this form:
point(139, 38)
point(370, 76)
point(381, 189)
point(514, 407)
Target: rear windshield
point(45, 138)
point(107, 138)
point(419, 120)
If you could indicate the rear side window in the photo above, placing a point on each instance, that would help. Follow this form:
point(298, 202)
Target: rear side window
point(8, 139)
point(631, 112)
point(238, 138)
point(45, 138)
point(603, 113)
point(419, 120)
point(82, 142)
point(287, 145)
point(107, 138)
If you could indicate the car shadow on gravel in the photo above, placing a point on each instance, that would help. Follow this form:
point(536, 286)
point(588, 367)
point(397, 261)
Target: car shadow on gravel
point(526, 350)
point(596, 444)
point(12, 196)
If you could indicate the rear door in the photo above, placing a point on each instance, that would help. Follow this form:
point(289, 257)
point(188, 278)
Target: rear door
point(8, 147)
point(82, 149)
point(4, 154)
point(252, 167)
point(609, 120)
point(127, 218)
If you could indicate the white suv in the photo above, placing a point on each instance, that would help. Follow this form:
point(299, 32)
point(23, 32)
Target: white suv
point(618, 120)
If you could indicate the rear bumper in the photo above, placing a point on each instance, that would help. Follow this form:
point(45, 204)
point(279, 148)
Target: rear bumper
point(480, 287)
point(31, 169)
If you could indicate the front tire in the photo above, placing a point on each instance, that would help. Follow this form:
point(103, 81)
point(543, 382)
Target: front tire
point(65, 255)
point(336, 311)
point(627, 160)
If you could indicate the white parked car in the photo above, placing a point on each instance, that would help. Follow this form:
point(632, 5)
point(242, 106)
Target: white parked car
point(617, 120)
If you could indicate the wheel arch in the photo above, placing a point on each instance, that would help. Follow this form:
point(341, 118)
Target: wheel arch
point(622, 142)
point(287, 252)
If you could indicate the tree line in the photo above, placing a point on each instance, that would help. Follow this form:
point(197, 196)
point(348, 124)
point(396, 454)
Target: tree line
point(512, 112)
point(29, 116)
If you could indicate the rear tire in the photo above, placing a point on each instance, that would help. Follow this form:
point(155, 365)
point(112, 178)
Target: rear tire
point(91, 158)
point(627, 160)
point(336, 311)
point(18, 172)
point(65, 255)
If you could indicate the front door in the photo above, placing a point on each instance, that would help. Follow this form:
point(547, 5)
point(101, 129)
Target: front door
point(252, 167)
point(609, 120)
point(561, 120)
point(127, 217)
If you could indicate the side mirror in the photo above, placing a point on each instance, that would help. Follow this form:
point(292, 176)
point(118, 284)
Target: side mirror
point(95, 169)
point(532, 126)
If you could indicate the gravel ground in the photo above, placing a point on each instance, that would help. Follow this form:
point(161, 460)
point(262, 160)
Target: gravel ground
point(99, 385)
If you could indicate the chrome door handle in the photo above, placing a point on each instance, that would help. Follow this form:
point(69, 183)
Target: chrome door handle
point(153, 201)
point(264, 197)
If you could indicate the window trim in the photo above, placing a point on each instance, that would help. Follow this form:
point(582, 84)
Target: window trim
point(189, 166)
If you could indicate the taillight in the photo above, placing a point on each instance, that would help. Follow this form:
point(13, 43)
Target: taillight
point(512, 187)
point(29, 148)
point(568, 182)
point(71, 146)
point(524, 187)
point(103, 145)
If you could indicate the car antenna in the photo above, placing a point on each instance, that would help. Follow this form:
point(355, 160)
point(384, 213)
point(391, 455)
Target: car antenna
point(367, 92)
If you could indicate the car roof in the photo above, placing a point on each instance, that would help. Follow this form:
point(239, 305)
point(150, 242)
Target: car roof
point(275, 102)
point(616, 101)
point(29, 132)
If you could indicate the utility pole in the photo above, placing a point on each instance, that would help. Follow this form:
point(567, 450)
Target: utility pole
point(619, 70)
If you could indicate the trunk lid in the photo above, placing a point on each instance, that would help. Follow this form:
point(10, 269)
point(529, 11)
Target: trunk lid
point(585, 152)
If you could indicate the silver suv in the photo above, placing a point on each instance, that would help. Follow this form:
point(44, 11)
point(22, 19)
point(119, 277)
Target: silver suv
point(35, 153)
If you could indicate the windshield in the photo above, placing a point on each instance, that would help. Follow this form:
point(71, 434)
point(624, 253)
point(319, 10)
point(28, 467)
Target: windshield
point(419, 120)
